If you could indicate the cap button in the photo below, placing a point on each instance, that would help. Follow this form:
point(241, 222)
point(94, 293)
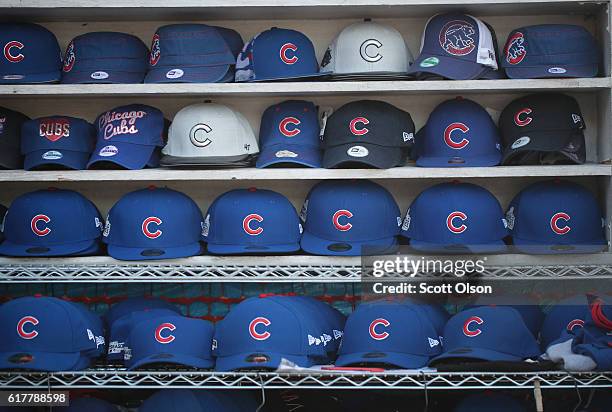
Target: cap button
point(152, 187)
point(52, 189)
point(367, 19)
point(252, 189)
point(456, 181)
point(459, 98)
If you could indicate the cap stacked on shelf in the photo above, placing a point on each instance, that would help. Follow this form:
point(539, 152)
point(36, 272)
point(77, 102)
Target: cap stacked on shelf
point(10, 138)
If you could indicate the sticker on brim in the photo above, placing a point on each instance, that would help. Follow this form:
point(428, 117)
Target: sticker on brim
point(108, 151)
point(357, 151)
point(285, 153)
point(557, 70)
point(175, 74)
point(13, 77)
point(99, 75)
point(52, 155)
point(520, 142)
point(430, 62)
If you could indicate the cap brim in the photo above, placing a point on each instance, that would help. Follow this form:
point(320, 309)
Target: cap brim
point(541, 141)
point(230, 363)
point(130, 253)
point(49, 77)
point(302, 76)
point(480, 161)
point(319, 246)
point(70, 159)
point(43, 361)
point(192, 74)
point(401, 360)
point(535, 248)
point(539, 72)
point(113, 77)
point(251, 249)
point(277, 154)
point(225, 161)
point(448, 67)
point(130, 156)
point(9, 248)
point(490, 247)
point(475, 354)
point(173, 359)
point(380, 157)
point(10, 158)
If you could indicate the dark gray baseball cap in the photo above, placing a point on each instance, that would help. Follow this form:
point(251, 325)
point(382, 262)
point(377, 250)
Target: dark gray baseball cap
point(10, 138)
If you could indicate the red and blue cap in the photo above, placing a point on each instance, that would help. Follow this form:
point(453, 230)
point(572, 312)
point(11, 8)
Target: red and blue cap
point(289, 134)
point(57, 141)
point(88, 405)
point(489, 401)
point(153, 224)
point(193, 53)
point(51, 223)
point(31, 54)
point(564, 316)
point(105, 57)
point(551, 50)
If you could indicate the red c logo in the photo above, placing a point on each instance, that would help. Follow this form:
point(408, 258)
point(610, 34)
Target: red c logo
point(554, 223)
point(449, 139)
point(355, 130)
point(145, 227)
point(283, 53)
point(576, 323)
point(451, 225)
point(525, 120)
point(336, 219)
point(466, 327)
point(34, 225)
point(282, 126)
point(164, 339)
point(8, 55)
point(375, 335)
point(21, 327)
point(253, 332)
point(246, 224)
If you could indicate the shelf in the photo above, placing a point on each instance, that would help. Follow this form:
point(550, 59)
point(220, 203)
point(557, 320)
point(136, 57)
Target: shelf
point(257, 269)
point(361, 88)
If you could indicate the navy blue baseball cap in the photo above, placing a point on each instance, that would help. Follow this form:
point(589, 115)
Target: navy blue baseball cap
point(277, 54)
point(125, 307)
point(10, 138)
point(252, 221)
point(88, 405)
point(551, 50)
point(259, 332)
point(51, 222)
point(31, 54)
point(456, 46)
point(556, 217)
point(193, 53)
point(170, 339)
point(455, 217)
point(105, 57)
point(564, 316)
point(153, 224)
point(130, 137)
point(45, 334)
point(488, 333)
point(489, 401)
point(289, 134)
point(377, 334)
point(458, 133)
point(349, 217)
point(54, 141)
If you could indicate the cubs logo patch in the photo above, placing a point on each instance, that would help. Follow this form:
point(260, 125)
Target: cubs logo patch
point(38, 225)
point(575, 323)
point(375, 326)
point(288, 128)
point(453, 225)
point(162, 336)
point(522, 118)
point(54, 129)
point(369, 50)
point(69, 58)
point(155, 50)
point(345, 215)
point(558, 223)
point(287, 53)
point(249, 227)
point(12, 51)
point(24, 330)
point(515, 50)
point(148, 231)
point(469, 327)
point(457, 38)
point(259, 334)
point(457, 143)
point(198, 135)
point(356, 126)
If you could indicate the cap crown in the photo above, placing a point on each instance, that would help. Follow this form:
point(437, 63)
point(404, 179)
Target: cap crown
point(292, 122)
point(135, 123)
point(124, 308)
point(57, 132)
point(566, 316)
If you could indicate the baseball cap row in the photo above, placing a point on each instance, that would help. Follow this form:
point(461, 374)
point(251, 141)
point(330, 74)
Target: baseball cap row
point(349, 218)
point(50, 334)
point(453, 46)
point(534, 129)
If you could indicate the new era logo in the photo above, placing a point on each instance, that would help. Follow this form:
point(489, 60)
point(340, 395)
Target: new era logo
point(433, 342)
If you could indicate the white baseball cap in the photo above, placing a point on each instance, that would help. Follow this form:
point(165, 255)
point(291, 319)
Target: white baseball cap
point(209, 134)
point(367, 48)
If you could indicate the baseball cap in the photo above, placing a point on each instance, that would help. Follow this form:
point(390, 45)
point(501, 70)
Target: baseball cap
point(367, 133)
point(489, 401)
point(377, 334)
point(544, 128)
point(170, 339)
point(51, 222)
point(209, 134)
point(565, 315)
point(153, 224)
point(289, 135)
point(277, 54)
point(458, 133)
point(57, 141)
point(105, 57)
point(551, 50)
point(455, 217)
point(333, 316)
point(45, 334)
point(96, 326)
point(367, 49)
point(456, 46)
point(128, 136)
point(528, 308)
point(10, 138)
point(193, 53)
point(127, 306)
point(88, 405)
point(556, 217)
point(349, 217)
point(259, 332)
point(31, 54)
point(251, 221)
point(487, 333)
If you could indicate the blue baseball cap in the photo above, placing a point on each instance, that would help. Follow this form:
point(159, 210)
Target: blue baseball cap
point(349, 217)
point(378, 334)
point(45, 334)
point(129, 136)
point(564, 316)
point(51, 222)
point(259, 332)
point(334, 317)
point(153, 224)
point(454, 217)
point(289, 134)
point(529, 310)
point(489, 401)
point(10, 138)
point(551, 50)
point(458, 133)
point(277, 54)
point(193, 53)
point(31, 54)
point(488, 333)
point(57, 141)
point(127, 306)
point(251, 221)
point(456, 46)
point(556, 217)
point(88, 405)
point(105, 57)
point(96, 326)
